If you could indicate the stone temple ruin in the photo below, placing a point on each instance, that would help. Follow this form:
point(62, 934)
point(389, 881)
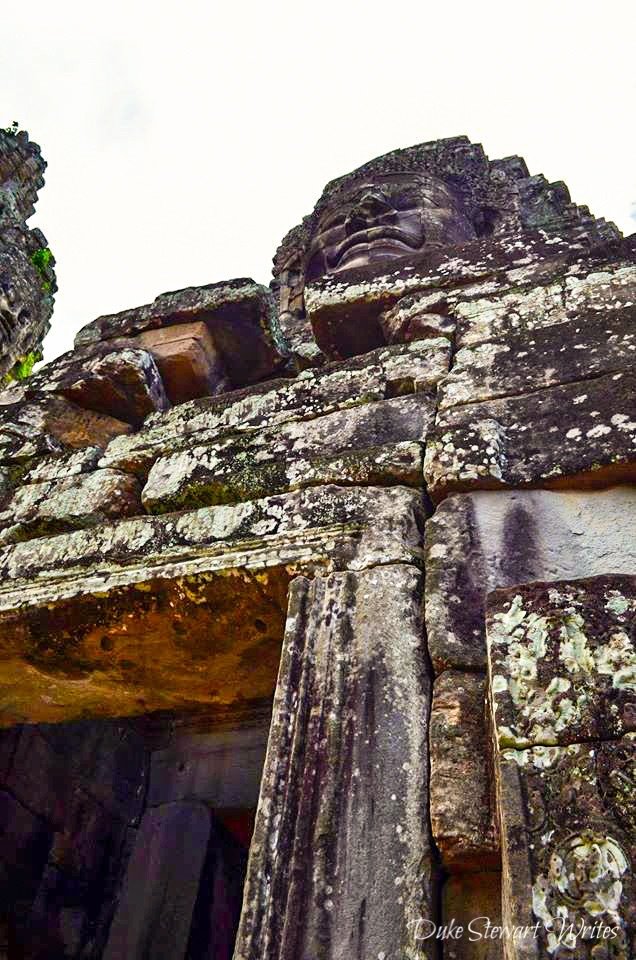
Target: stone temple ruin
point(318, 601)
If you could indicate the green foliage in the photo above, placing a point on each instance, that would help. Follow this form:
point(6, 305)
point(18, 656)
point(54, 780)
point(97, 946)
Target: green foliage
point(41, 259)
point(12, 128)
point(22, 368)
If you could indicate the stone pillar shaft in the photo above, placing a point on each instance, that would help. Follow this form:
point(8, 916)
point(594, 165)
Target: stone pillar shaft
point(341, 862)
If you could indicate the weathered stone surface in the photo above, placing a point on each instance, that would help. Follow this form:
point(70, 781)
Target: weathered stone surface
point(462, 787)
point(123, 383)
point(223, 768)
point(54, 506)
point(182, 643)
point(70, 464)
point(377, 443)
point(579, 288)
point(569, 843)
point(473, 902)
point(179, 618)
point(188, 359)
point(383, 374)
point(567, 352)
point(562, 661)
point(158, 898)
point(50, 425)
point(27, 274)
point(339, 833)
point(579, 435)
point(479, 541)
point(237, 313)
point(417, 204)
point(414, 318)
point(326, 528)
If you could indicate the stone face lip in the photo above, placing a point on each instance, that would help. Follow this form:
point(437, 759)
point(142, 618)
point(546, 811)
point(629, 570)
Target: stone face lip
point(488, 201)
point(562, 661)
point(237, 313)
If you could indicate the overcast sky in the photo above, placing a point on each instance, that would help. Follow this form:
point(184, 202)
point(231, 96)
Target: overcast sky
point(184, 140)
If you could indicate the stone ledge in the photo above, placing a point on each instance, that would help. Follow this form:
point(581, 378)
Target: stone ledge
point(325, 527)
point(578, 435)
point(385, 373)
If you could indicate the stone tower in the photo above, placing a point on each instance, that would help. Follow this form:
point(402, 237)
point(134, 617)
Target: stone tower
point(27, 277)
point(317, 602)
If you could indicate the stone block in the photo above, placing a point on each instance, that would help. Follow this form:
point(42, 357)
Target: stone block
point(63, 466)
point(54, 506)
point(580, 435)
point(480, 541)
point(237, 314)
point(583, 347)
point(578, 289)
point(179, 643)
point(188, 360)
point(218, 906)
point(156, 906)
point(223, 768)
point(322, 528)
point(381, 375)
point(462, 784)
point(562, 661)
point(376, 443)
point(568, 837)
point(121, 382)
point(46, 428)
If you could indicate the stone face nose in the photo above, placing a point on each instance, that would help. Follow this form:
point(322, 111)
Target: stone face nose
point(368, 207)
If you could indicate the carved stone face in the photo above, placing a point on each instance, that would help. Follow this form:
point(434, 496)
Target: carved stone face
point(383, 218)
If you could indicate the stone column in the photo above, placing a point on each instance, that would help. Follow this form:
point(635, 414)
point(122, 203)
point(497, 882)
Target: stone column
point(341, 863)
point(563, 688)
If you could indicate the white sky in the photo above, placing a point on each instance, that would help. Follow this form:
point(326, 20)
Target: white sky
point(185, 139)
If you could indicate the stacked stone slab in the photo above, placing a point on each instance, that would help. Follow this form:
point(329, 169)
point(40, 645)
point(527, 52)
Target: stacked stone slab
point(388, 510)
